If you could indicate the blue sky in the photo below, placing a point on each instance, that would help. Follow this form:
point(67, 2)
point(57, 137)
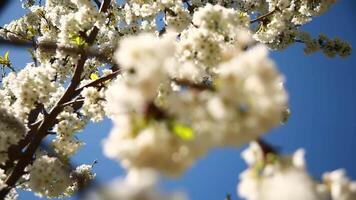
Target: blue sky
point(322, 99)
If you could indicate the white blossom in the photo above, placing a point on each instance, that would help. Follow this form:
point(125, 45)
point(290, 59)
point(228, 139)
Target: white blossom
point(137, 185)
point(48, 177)
point(274, 177)
point(93, 105)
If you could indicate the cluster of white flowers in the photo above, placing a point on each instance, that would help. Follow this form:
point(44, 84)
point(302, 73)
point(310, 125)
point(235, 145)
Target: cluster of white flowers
point(158, 127)
point(28, 88)
point(337, 186)
point(131, 103)
point(137, 185)
point(259, 97)
point(219, 19)
point(81, 19)
point(274, 177)
point(48, 177)
point(93, 104)
point(65, 143)
point(81, 177)
point(215, 29)
point(83, 172)
point(22, 29)
point(179, 19)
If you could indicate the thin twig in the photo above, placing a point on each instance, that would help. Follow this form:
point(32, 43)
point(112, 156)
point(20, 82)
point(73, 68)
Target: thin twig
point(266, 148)
point(98, 81)
point(190, 7)
point(262, 17)
point(89, 52)
point(73, 102)
point(97, 2)
point(192, 85)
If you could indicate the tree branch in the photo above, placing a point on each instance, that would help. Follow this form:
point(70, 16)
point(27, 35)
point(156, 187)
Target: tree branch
point(262, 17)
point(89, 52)
point(97, 2)
point(190, 7)
point(266, 148)
point(98, 82)
point(192, 85)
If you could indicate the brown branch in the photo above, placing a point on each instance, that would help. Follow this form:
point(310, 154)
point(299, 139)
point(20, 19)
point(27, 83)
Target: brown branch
point(34, 113)
point(51, 46)
point(50, 119)
point(192, 85)
point(97, 2)
point(98, 82)
point(74, 103)
point(266, 148)
point(170, 12)
point(262, 17)
point(190, 7)
point(14, 152)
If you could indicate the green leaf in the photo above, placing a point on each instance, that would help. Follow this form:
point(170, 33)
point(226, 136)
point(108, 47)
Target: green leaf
point(139, 123)
point(262, 28)
point(183, 131)
point(94, 76)
point(258, 168)
point(31, 32)
point(271, 158)
point(242, 15)
point(78, 40)
point(5, 60)
point(6, 56)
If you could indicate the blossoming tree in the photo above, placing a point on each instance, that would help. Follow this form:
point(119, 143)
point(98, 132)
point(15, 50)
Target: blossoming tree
point(176, 77)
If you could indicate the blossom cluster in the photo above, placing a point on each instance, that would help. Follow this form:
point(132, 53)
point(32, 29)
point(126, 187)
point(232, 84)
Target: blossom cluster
point(165, 124)
point(50, 177)
point(273, 177)
point(26, 89)
point(137, 185)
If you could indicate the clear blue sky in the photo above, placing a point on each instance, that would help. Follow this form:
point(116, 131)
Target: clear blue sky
point(322, 99)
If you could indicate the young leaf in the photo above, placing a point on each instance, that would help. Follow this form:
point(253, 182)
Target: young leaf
point(6, 56)
point(5, 60)
point(94, 76)
point(79, 41)
point(183, 131)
